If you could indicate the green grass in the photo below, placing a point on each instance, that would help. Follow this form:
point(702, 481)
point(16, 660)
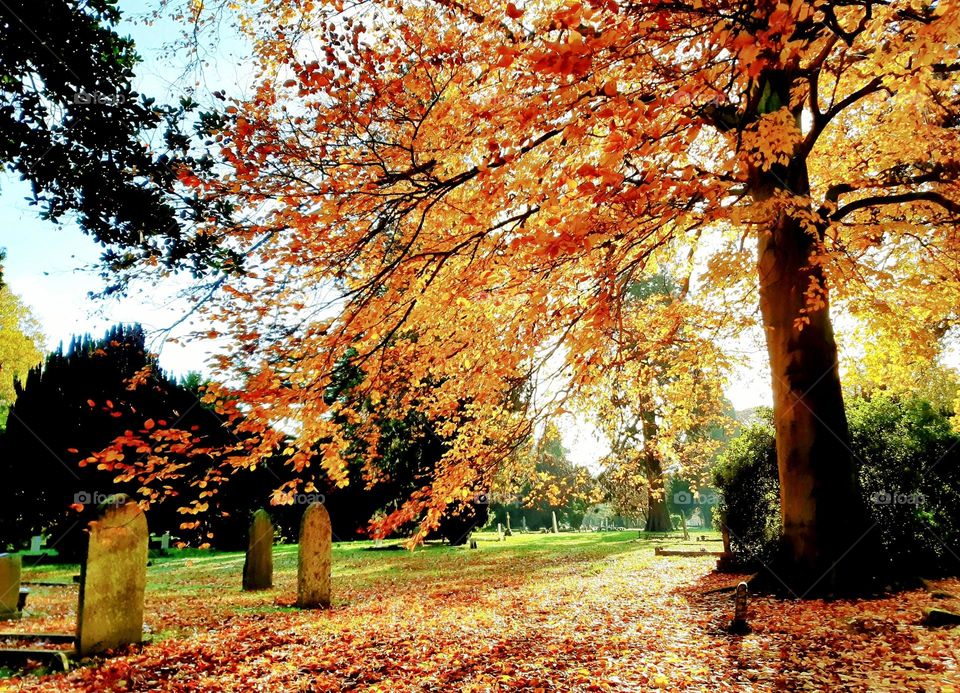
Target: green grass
point(195, 589)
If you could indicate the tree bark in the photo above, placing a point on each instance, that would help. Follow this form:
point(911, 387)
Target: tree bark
point(658, 516)
point(827, 545)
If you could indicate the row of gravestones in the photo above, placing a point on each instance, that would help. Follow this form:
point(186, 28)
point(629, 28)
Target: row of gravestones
point(313, 562)
point(113, 575)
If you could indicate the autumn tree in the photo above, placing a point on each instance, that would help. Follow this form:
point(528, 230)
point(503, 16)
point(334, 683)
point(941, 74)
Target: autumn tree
point(385, 474)
point(21, 344)
point(543, 480)
point(498, 175)
point(658, 392)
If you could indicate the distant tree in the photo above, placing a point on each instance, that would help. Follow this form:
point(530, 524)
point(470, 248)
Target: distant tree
point(543, 480)
point(78, 403)
point(21, 344)
point(625, 488)
point(658, 398)
point(404, 459)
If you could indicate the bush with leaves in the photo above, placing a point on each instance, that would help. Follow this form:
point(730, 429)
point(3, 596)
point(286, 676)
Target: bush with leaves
point(746, 475)
point(910, 473)
point(908, 459)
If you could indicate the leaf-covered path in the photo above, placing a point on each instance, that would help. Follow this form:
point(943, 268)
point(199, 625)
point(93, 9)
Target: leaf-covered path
point(571, 612)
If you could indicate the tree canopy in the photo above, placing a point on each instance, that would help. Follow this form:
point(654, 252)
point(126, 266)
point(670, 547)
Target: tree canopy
point(73, 126)
point(21, 346)
point(464, 194)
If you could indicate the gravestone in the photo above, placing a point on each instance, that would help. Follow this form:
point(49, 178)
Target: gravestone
point(553, 514)
point(313, 566)
point(499, 532)
point(258, 566)
point(508, 524)
point(165, 541)
point(9, 586)
point(36, 544)
point(473, 543)
point(113, 579)
point(739, 623)
point(523, 522)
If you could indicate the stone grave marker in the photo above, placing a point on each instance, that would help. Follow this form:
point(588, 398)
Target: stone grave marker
point(553, 514)
point(739, 623)
point(36, 544)
point(9, 586)
point(258, 566)
point(113, 579)
point(313, 566)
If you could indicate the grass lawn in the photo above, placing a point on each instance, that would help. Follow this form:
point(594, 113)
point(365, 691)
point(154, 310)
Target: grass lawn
point(593, 611)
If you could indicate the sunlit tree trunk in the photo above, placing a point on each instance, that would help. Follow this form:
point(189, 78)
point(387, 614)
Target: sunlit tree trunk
point(658, 516)
point(825, 536)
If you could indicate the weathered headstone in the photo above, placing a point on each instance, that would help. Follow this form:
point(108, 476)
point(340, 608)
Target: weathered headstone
point(473, 543)
point(313, 567)
point(165, 541)
point(739, 623)
point(553, 514)
point(258, 566)
point(9, 586)
point(113, 579)
point(499, 532)
point(36, 544)
point(523, 522)
point(508, 522)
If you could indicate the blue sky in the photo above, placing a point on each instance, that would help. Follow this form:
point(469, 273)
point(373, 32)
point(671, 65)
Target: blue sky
point(53, 266)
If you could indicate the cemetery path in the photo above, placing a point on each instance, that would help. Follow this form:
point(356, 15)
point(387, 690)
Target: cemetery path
point(536, 613)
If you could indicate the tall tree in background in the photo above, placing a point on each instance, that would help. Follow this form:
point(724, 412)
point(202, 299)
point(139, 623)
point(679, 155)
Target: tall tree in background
point(72, 125)
point(76, 404)
point(498, 176)
point(543, 480)
point(659, 391)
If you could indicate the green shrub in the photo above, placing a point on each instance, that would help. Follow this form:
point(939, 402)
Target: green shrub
point(909, 462)
point(909, 466)
point(746, 477)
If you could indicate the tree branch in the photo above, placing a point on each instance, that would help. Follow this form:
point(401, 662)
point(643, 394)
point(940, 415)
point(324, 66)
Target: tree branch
point(878, 200)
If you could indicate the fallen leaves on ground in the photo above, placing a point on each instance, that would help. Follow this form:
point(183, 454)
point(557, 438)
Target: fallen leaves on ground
point(536, 613)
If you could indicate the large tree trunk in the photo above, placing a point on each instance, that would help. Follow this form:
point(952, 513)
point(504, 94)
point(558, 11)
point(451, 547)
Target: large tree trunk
point(658, 516)
point(827, 545)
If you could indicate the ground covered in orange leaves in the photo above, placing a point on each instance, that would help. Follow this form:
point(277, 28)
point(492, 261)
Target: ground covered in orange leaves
point(538, 612)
